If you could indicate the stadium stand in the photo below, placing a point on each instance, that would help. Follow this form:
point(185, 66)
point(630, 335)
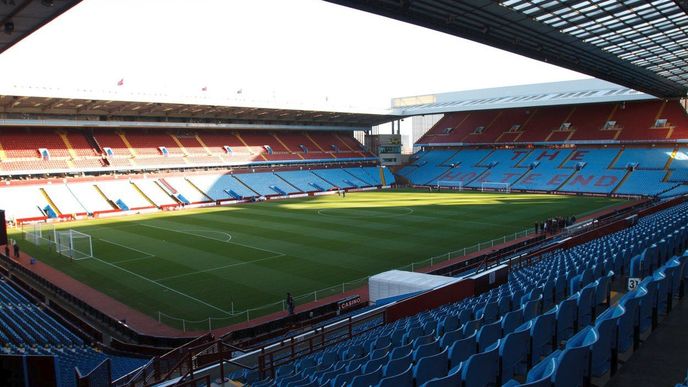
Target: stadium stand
point(552, 323)
point(26, 330)
point(41, 151)
point(54, 198)
point(641, 171)
point(610, 121)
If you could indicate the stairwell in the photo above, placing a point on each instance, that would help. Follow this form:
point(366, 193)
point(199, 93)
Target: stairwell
point(102, 194)
point(93, 142)
point(623, 180)
point(50, 201)
point(136, 187)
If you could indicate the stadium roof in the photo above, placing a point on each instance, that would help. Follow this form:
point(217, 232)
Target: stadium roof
point(641, 44)
point(20, 18)
point(541, 94)
point(105, 112)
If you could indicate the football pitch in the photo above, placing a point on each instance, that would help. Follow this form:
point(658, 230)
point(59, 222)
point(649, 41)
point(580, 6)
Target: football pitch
point(236, 262)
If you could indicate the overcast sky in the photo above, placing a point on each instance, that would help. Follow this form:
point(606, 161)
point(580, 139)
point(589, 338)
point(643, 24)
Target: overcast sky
point(308, 51)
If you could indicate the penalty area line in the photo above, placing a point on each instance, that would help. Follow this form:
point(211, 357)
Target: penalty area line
point(163, 286)
point(220, 267)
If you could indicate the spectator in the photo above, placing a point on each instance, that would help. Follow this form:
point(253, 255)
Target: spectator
point(16, 249)
point(537, 227)
point(290, 304)
point(7, 249)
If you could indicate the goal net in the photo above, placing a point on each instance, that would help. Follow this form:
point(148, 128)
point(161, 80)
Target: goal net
point(493, 186)
point(458, 185)
point(40, 234)
point(74, 244)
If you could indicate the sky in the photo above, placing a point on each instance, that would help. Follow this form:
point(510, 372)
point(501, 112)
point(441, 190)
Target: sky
point(274, 53)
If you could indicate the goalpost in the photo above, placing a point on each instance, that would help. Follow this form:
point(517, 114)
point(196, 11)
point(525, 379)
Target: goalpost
point(74, 244)
point(494, 186)
point(458, 185)
point(40, 234)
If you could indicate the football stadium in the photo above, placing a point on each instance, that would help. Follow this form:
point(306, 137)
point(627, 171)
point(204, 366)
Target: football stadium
point(523, 235)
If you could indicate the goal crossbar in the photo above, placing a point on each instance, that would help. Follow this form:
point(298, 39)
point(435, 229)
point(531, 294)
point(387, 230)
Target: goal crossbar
point(74, 244)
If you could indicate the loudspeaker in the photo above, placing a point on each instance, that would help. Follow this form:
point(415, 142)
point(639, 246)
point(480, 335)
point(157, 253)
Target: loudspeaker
point(3, 228)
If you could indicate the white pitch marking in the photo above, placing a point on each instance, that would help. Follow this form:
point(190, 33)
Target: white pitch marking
point(217, 240)
point(219, 268)
point(163, 286)
point(127, 247)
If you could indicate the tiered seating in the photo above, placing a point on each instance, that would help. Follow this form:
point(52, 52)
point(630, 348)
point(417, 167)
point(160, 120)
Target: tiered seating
point(594, 176)
point(646, 158)
point(371, 175)
point(27, 202)
point(464, 168)
point(429, 166)
point(266, 183)
point(258, 140)
point(25, 329)
point(221, 187)
point(637, 118)
point(552, 323)
point(634, 121)
point(191, 193)
point(63, 198)
point(123, 193)
point(545, 174)
point(305, 181)
point(153, 191)
point(637, 183)
point(89, 197)
point(587, 123)
point(216, 141)
point(503, 167)
point(339, 178)
point(544, 121)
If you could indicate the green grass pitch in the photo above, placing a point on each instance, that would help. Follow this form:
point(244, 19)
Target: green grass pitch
point(202, 263)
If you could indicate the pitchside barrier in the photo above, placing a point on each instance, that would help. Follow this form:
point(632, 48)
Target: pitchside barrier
point(234, 316)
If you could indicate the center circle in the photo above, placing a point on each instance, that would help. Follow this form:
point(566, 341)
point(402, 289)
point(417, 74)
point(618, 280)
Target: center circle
point(373, 212)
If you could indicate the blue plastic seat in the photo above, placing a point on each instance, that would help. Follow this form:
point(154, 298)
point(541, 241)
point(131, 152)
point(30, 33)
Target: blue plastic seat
point(431, 367)
point(532, 308)
point(480, 370)
point(462, 350)
point(513, 353)
point(602, 292)
point(429, 349)
point(566, 318)
point(605, 347)
point(402, 379)
point(488, 334)
point(345, 377)
point(539, 376)
point(585, 305)
point(401, 351)
point(471, 327)
point(627, 322)
point(396, 366)
point(489, 312)
point(447, 324)
point(367, 379)
point(585, 339)
point(450, 337)
point(512, 320)
point(374, 364)
point(453, 379)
